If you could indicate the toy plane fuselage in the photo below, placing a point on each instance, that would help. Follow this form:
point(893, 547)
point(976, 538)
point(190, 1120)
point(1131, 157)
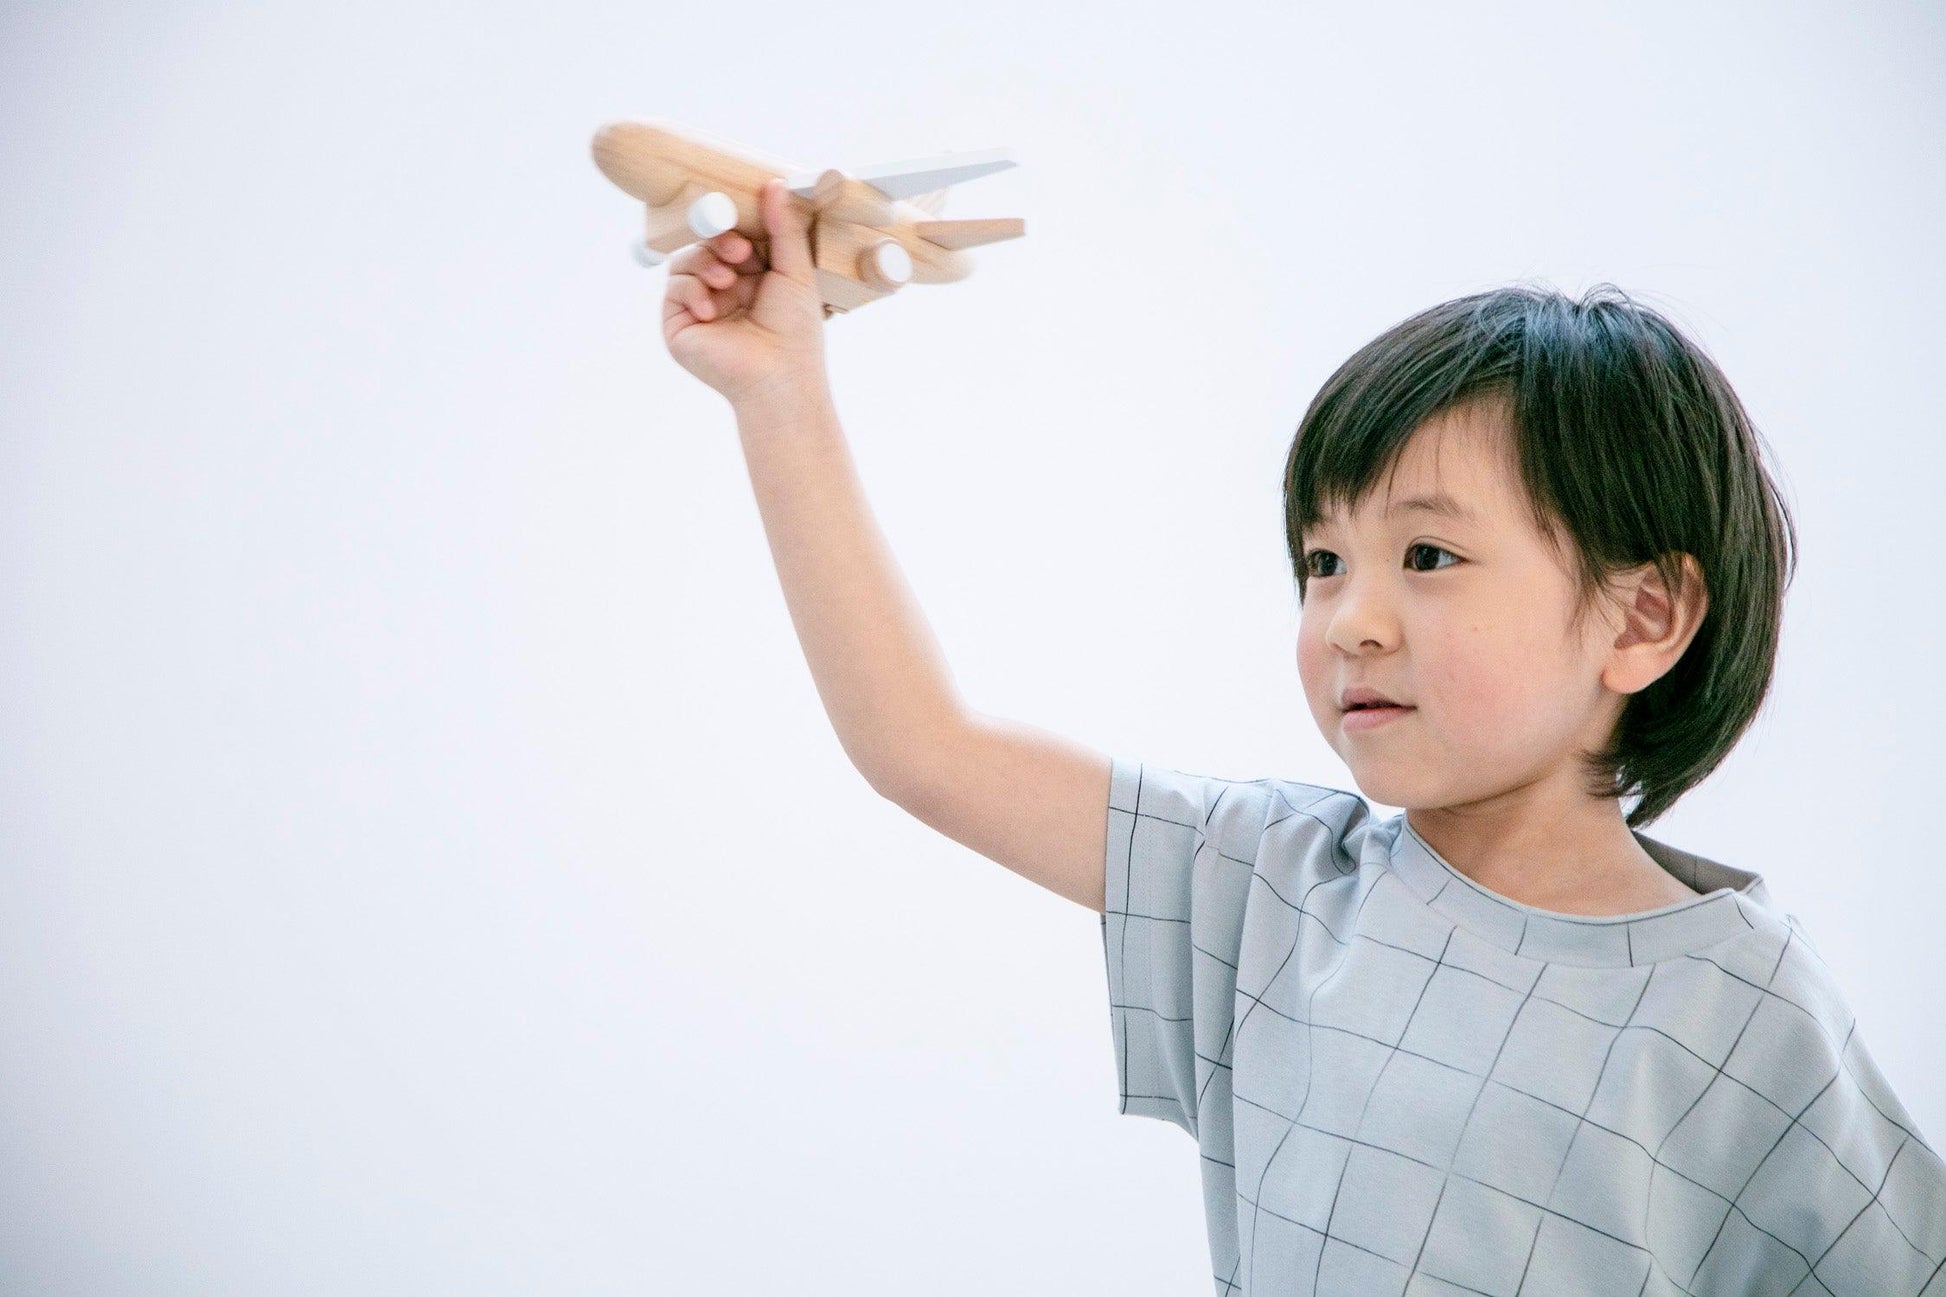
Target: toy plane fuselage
point(871, 233)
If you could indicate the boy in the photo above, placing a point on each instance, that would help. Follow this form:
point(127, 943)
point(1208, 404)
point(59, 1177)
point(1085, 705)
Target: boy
point(1501, 1042)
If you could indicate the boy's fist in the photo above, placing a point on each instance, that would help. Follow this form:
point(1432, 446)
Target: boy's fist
point(742, 317)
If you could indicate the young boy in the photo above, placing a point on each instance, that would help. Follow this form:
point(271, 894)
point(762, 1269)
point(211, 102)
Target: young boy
point(1501, 1042)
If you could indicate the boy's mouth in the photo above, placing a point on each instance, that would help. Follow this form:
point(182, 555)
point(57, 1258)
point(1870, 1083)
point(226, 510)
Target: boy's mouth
point(1361, 716)
point(1362, 696)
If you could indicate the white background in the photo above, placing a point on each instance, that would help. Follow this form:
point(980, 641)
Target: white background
point(425, 864)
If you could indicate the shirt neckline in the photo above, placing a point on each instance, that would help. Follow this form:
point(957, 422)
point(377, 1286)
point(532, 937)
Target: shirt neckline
point(1607, 940)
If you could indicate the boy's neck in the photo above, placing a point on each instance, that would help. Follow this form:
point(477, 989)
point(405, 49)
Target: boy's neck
point(1586, 862)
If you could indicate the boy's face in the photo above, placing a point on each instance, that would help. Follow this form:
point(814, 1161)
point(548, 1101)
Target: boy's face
point(1464, 620)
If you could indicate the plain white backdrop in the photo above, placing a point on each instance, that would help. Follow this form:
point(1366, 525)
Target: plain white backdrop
point(425, 864)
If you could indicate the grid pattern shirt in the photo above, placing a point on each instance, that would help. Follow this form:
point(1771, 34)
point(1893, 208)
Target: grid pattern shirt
point(1402, 1082)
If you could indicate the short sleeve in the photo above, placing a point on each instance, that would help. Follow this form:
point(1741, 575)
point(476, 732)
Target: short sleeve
point(1896, 1241)
point(1846, 1183)
point(1181, 854)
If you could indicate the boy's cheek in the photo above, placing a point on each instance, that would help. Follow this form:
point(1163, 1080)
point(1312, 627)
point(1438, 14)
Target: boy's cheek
point(1468, 683)
point(1314, 671)
point(1306, 654)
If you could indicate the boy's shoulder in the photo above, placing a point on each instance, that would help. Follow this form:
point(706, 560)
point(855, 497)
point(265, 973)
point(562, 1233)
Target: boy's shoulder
point(1782, 1031)
point(1783, 967)
point(1235, 816)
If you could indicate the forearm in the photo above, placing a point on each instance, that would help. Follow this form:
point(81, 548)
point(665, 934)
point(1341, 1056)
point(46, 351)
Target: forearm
point(878, 669)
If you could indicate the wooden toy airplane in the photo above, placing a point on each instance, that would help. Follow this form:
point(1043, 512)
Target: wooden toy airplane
point(871, 233)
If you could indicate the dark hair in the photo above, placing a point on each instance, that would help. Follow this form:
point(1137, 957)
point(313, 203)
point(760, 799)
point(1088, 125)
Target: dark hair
point(1631, 443)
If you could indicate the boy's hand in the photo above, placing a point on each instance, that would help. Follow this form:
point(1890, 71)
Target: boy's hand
point(739, 325)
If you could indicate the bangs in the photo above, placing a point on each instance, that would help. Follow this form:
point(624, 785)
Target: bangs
point(1457, 354)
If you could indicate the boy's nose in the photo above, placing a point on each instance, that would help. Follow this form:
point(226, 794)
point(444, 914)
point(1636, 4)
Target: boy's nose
point(1362, 620)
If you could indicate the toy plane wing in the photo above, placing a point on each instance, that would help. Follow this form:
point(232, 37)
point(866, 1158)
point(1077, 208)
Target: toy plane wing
point(918, 178)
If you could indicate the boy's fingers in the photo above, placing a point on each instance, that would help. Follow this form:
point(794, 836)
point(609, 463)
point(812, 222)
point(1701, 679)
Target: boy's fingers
point(693, 294)
point(790, 240)
point(700, 260)
point(686, 261)
point(730, 245)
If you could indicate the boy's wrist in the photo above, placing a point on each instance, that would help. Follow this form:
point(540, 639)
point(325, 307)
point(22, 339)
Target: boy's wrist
point(786, 393)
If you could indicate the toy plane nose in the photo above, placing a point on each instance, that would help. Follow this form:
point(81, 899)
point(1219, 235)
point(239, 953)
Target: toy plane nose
point(631, 154)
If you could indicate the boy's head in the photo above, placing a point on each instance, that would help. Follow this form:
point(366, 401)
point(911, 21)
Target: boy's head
point(1609, 610)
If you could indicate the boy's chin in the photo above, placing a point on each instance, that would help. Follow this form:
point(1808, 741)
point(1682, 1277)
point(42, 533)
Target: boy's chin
point(1390, 787)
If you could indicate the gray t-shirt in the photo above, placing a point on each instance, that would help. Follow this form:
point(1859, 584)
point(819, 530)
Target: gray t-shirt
point(1402, 1082)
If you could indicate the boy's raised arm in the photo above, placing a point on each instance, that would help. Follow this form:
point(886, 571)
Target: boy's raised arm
point(1020, 796)
point(879, 671)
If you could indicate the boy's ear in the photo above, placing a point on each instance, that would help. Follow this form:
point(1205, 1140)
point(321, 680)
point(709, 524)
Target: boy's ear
point(1656, 624)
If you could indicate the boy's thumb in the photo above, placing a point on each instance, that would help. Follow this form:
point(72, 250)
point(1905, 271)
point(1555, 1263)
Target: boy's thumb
point(789, 228)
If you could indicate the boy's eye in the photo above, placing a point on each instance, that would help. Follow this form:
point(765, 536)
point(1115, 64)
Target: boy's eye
point(1313, 556)
point(1432, 549)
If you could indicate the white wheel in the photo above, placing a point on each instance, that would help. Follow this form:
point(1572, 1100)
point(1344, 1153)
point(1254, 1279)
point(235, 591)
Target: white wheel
point(892, 261)
point(646, 255)
point(712, 214)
